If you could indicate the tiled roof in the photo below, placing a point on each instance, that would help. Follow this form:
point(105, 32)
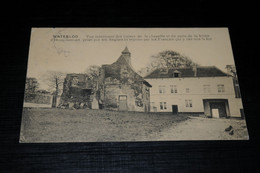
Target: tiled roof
point(199, 71)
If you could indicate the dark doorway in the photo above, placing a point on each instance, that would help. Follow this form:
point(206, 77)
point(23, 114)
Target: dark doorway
point(218, 109)
point(174, 109)
point(122, 103)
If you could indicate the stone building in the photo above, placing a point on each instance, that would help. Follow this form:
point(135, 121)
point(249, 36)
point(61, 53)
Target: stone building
point(201, 89)
point(121, 88)
point(117, 87)
point(78, 91)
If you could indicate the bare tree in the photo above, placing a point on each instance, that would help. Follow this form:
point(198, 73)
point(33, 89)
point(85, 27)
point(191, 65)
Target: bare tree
point(231, 69)
point(54, 79)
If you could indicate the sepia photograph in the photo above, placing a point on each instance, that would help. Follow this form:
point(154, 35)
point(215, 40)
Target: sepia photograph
point(131, 84)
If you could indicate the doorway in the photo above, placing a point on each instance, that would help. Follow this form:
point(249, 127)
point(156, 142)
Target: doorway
point(174, 109)
point(122, 103)
point(218, 109)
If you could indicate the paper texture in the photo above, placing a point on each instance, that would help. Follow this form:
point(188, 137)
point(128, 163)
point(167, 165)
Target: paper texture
point(131, 84)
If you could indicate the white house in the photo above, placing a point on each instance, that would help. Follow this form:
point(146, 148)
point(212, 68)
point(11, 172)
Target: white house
point(201, 89)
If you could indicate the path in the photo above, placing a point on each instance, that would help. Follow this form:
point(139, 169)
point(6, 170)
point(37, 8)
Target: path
point(197, 128)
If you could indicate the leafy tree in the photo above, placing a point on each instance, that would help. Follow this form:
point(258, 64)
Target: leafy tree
point(93, 73)
point(167, 59)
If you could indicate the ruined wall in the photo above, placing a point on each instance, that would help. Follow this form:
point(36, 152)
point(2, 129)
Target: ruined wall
point(77, 91)
point(136, 92)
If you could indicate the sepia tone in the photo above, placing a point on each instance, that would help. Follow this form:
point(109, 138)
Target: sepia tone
point(163, 95)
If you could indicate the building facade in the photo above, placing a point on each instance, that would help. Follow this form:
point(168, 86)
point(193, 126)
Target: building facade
point(116, 87)
point(121, 88)
point(204, 90)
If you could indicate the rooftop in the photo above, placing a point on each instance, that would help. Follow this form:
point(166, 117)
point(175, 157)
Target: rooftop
point(199, 71)
point(125, 50)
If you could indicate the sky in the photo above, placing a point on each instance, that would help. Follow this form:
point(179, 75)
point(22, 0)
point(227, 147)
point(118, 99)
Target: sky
point(82, 48)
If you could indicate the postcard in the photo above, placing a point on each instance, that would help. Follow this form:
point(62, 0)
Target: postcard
point(131, 84)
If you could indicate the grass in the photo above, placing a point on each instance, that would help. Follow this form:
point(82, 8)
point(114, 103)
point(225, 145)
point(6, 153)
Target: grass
point(63, 125)
point(82, 125)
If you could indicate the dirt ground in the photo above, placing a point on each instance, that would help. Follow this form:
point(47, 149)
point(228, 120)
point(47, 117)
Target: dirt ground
point(197, 128)
point(63, 125)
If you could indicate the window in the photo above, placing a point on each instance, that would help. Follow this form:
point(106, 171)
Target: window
point(163, 105)
point(188, 103)
point(206, 88)
point(174, 89)
point(221, 88)
point(176, 73)
point(187, 90)
point(237, 91)
point(161, 89)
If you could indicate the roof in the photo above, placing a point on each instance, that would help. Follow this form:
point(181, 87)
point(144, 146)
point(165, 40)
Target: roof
point(125, 50)
point(200, 71)
point(113, 70)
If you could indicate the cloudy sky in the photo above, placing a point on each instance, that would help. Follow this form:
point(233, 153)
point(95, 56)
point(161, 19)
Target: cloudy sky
point(74, 55)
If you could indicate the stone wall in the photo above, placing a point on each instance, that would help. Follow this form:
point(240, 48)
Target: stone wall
point(137, 99)
point(76, 92)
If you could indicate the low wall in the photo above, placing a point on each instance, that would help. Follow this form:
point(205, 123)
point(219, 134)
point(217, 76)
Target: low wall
point(37, 100)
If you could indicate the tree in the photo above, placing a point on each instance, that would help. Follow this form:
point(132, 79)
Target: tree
point(31, 85)
point(167, 59)
point(93, 72)
point(54, 79)
point(231, 69)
